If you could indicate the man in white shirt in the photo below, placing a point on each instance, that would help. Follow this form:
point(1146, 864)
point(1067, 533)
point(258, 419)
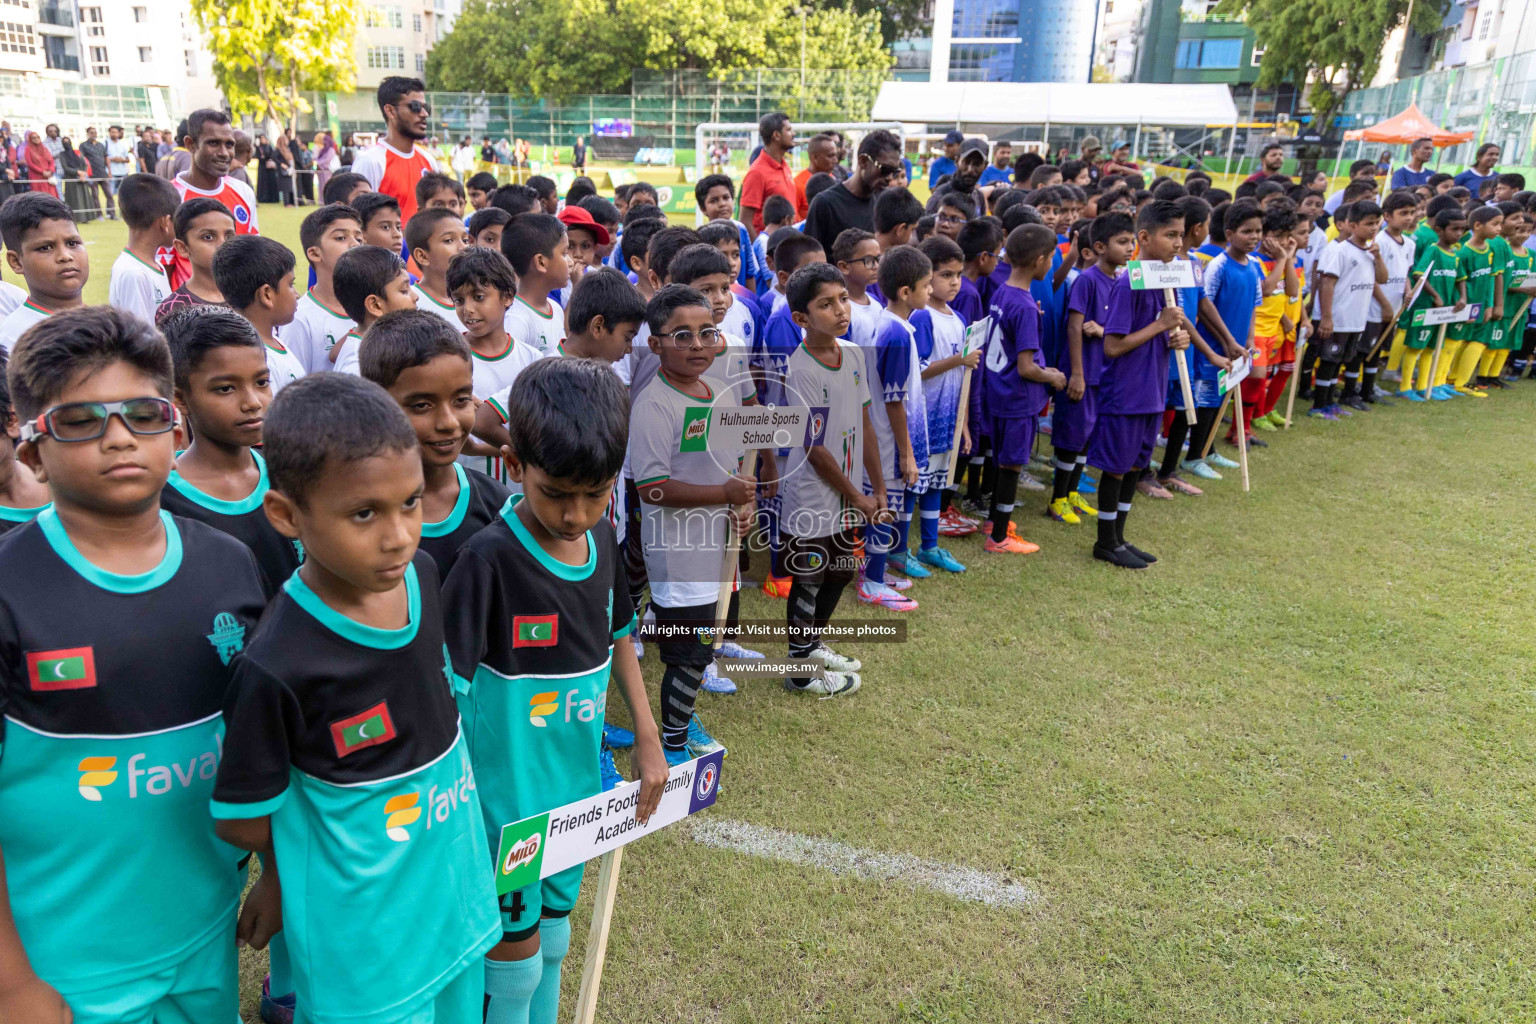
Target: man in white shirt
point(463, 160)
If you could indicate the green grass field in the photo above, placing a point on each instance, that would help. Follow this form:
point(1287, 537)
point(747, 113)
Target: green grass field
point(1284, 775)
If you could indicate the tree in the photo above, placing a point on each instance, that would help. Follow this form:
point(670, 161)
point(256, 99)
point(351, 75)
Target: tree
point(558, 48)
point(267, 53)
point(1331, 41)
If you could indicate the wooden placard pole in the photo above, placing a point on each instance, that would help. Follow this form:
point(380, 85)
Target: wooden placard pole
point(981, 329)
point(1290, 403)
point(1235, 392)
point(961, 415)
point(597, 936)
point(1169, 298)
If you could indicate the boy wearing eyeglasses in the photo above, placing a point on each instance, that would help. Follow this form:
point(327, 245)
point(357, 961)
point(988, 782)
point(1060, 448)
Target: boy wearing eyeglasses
point(690, 501)
point(114, 663)
point(857, 254)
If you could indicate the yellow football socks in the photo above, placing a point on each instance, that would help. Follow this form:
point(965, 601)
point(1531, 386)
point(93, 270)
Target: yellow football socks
point(1492, 363)
point(1415, 358)
point(1398, 351)
point(1448, 353)
point(1466, 362)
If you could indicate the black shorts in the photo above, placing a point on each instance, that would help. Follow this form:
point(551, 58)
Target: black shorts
point(1337, 347)
point(687, 634)
point(1367, 341)
point(816, 560)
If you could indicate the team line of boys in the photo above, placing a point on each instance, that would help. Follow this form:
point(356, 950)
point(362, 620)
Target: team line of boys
point(367, 492)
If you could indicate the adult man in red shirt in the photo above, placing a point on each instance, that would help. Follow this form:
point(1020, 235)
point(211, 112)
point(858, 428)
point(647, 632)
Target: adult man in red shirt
point(822, 153)
point(396, 163)
point(211, 140)
point(769, 173)
point(1271, 160)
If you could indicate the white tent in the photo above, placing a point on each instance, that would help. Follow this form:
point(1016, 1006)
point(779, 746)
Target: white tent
point(1046, 103)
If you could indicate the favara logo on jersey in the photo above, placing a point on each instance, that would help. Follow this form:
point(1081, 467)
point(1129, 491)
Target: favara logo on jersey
point(146, 779)
point(545, 707)
point(95, 773)
point(403, 810)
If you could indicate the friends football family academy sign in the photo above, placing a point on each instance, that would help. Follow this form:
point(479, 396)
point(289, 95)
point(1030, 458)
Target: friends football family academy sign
point(548, 843)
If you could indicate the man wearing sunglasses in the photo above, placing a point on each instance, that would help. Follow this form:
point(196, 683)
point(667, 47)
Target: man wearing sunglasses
point(396, 163)
point(851, 204)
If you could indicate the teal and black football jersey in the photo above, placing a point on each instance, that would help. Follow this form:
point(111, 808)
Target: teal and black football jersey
point(531, 640)
point(10, 518)
point(347, 735)
point(480, 499)
point(111, 687)
point(243, 520)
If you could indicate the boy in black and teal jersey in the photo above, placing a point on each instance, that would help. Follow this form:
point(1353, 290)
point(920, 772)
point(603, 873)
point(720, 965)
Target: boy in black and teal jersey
point(344, 760)
point(534, 604)
point(1445, 287)
point(223, 385)
point(22, 495)
point(118, 624)
point(425, 366)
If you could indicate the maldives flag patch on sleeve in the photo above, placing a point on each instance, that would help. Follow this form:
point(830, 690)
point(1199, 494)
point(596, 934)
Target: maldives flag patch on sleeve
point(535, 630)
point(69, 668)
point(364, 729)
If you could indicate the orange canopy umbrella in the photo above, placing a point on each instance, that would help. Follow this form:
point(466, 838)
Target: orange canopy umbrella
point(1411, 124)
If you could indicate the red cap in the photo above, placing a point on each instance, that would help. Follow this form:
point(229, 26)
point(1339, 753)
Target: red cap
point(576, 217)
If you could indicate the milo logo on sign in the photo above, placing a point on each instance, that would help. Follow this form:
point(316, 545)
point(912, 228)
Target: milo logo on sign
point(695, 430)
point(521, 853)
point(1138, 276)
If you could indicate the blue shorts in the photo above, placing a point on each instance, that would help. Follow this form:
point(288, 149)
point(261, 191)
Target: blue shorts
point(1207, 394)
point(1013, 439)
point(1072, 422)
point(554, 896)
point(1122, 443)
point(203, 987)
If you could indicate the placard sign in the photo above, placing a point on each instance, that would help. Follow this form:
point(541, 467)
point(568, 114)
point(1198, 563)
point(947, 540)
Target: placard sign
point(1226, 380)
point(548, 843)
point(1437, 315)
point(1147, 274)
point(976, 335)
point(735, 427)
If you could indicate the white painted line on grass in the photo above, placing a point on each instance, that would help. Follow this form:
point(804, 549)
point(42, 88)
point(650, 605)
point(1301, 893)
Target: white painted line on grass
point(841, 859)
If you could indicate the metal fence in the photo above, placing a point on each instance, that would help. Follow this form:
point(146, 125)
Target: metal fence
point(1496, 101)
point(663, 106)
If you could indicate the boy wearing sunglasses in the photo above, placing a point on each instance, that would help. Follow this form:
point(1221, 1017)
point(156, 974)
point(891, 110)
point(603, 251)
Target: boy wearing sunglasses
point(689, 501)
point(114, 662)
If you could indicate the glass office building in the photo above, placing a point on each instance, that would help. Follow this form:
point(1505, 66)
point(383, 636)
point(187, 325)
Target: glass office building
point(1013, 40)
